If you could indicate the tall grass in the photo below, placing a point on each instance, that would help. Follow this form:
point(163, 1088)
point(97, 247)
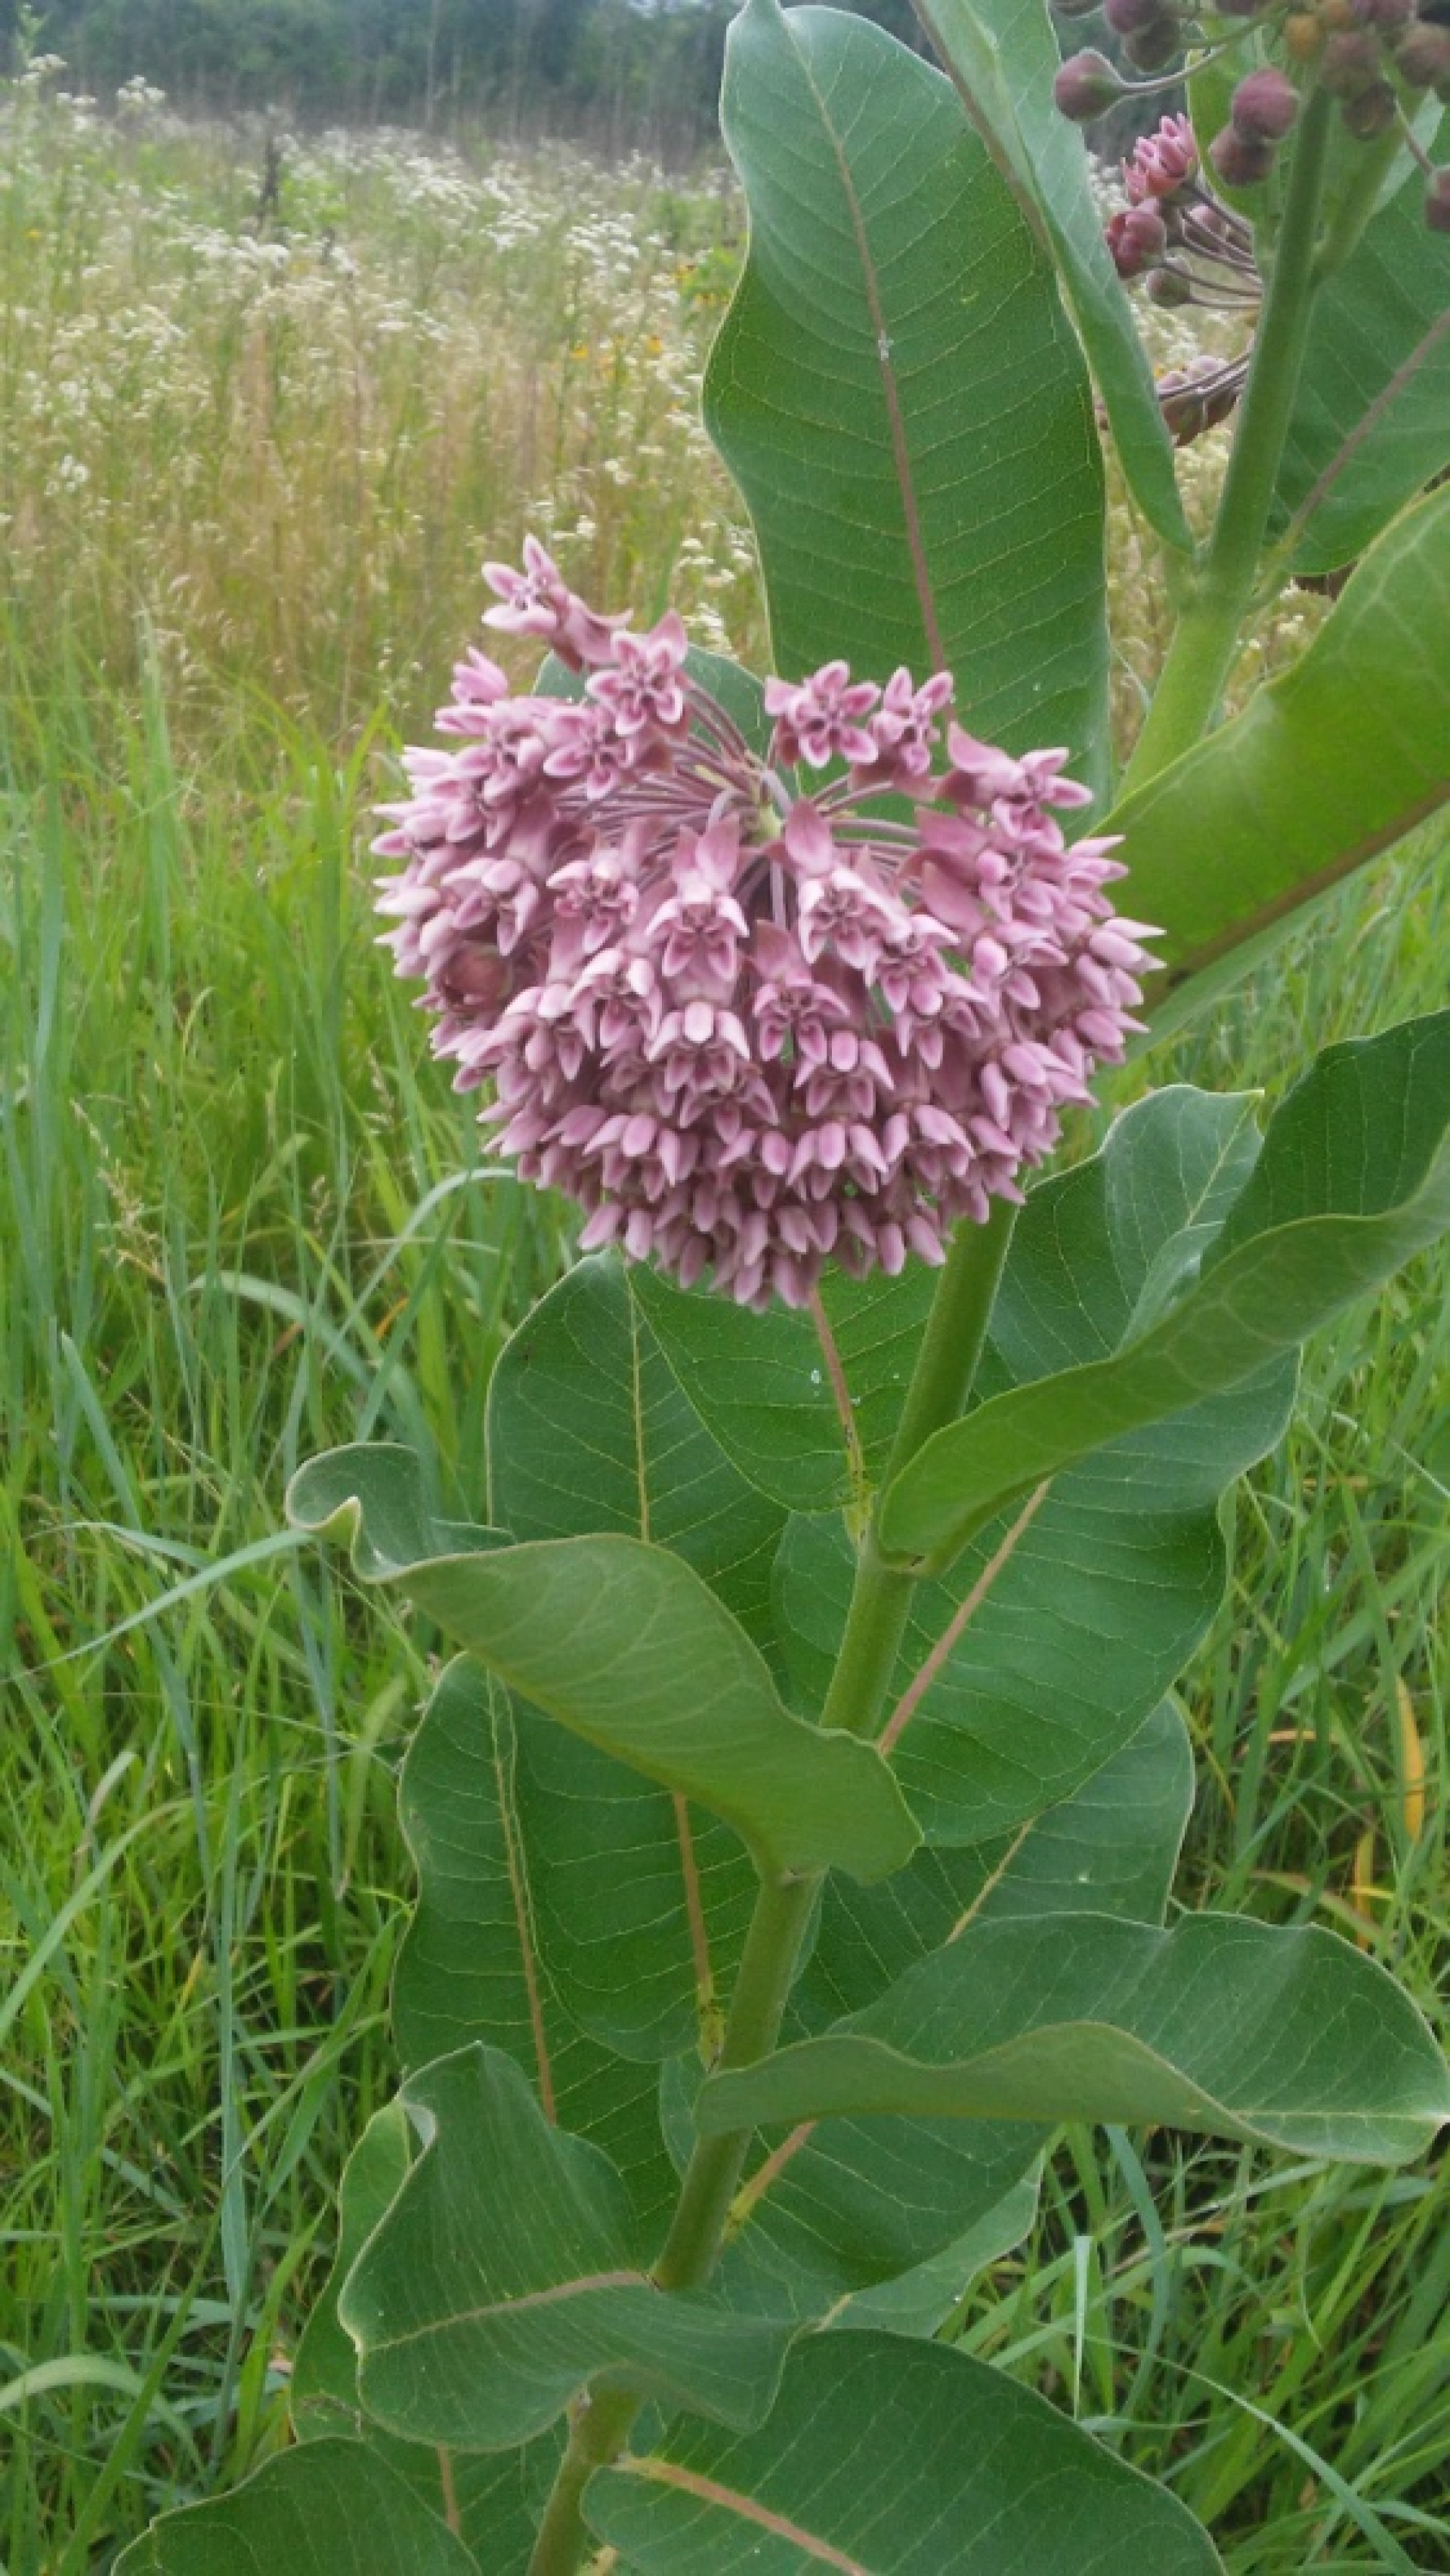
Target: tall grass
point(241, 1217)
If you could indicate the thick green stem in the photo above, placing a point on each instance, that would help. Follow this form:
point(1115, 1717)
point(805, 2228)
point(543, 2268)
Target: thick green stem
point(941, 1381)
point(940, 1384)
point(1202, 651)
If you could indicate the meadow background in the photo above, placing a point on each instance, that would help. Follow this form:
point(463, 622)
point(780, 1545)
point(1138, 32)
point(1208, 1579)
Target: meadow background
point(267, 396)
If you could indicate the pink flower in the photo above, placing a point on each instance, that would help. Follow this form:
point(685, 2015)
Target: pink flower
point(751, 1030)
point(1161, 163)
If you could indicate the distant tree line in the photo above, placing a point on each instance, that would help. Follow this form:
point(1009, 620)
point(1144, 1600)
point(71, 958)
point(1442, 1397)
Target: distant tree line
point(619, 72)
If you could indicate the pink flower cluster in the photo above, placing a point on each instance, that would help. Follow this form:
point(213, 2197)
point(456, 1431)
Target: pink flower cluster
point(1162, 162)
point(748, 1014)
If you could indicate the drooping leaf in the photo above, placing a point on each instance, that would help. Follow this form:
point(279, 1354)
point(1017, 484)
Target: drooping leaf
point(825, 2209)
point(493, 2500)
point(332, 2508)
point(471, 1966)
point(892, 2458)
point(1371, 420)
point(1003, 56)
point(1328, 765)
point(508, 2272)
point(920, 2302)
point(1111, 1848)
point(1354, 1178)
point(897, 391)
point(640, 1904)
point(1085, 1625)
point(1290, 2038)
point(622, 1643)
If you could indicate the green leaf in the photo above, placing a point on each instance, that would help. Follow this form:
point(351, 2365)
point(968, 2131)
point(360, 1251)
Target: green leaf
point(471, 1966)
point(624, 1645)
point(760, 1385)
point(588, 1431)
point(892, 2458)
point(1371, 420)
point(1111, 1848)
point(897, 392)
point(1003, 56)
point(824, 2211)
point(1327, 765)
point(640, 1906)
point(920, 2302)
point(494, 2499)
point(1354, 1179)
point(1289, 2038)
point(508, 2272)
point(332, 2508)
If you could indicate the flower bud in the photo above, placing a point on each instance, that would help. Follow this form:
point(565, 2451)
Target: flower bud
point(1130, 17)
point(1437, 202)
point(1166, 287)
point(1422, 56)
point(1370, 112)
point(1384, 14)
point(1086, 87)
point(1136, 237)
point(1240, 160)
point(1155, 46)
point(1263, 107)
point(1303, 36)
point(1350, 63)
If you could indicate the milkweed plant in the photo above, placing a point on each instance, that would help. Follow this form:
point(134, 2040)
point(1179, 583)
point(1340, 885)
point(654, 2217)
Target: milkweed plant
point(795, 1824)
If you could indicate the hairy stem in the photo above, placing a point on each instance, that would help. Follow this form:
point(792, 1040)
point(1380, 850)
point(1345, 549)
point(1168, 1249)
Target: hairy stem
point(941, 1381)
point(1203, 646)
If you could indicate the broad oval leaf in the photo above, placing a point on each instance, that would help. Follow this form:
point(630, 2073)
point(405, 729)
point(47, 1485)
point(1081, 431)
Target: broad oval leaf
point(493, 2500)
point(1327, 766)
point(1354, 1179)
point(622, 1643)
point(1371, 420)
point(472, 1966)
point(825, 2209)
point(897, 390)
point(328, 2509)
point(640, 1904)
point(507, 2273)
point(1090, 1615)
point(1288, 2038)
point(886, 2457)
point(1003, 56)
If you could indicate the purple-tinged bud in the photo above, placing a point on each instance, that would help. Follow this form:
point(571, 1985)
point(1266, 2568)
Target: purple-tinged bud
point(1422, 56)
point(1240, 161)
point(1130, 17)
point(1155, 46)
point(1384, 14)
point(1370, 113)
point(1168, 288)
point(1437, 202)
point(1184, 412)
point(1350, 62)
point(1086, 87)
point(1263, 107)
point(1136, 236)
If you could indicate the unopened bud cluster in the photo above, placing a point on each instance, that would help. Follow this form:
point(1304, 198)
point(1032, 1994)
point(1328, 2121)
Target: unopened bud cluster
point(751, 1012)
point(1186, 247)
point(1376, 57)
